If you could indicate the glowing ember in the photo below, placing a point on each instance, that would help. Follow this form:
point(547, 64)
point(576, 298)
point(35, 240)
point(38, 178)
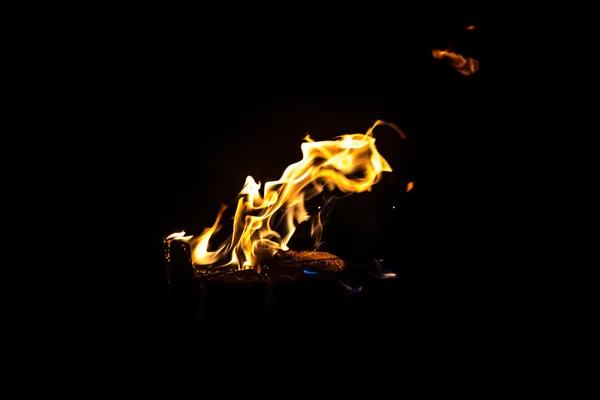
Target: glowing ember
point(471, 27)
point(350, 164)
point(465, 66)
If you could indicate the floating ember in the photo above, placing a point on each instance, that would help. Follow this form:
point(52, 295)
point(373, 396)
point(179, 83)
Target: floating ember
point(263, 224)
point(463, 65)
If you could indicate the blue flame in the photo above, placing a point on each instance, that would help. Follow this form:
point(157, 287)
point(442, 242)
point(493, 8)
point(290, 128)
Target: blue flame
point(308, 272)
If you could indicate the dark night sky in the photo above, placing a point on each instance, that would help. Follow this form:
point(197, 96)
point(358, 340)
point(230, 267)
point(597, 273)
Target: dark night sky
point(219, 113)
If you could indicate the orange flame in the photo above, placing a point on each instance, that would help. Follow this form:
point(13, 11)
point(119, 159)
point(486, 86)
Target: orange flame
point(350, 164)
point(471, 27)
point(465, 66)
point(409, 186)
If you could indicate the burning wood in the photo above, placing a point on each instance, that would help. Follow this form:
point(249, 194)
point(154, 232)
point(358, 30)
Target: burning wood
point(289, 267)
point(284, 265)
point(229, 275)
point(280, 278)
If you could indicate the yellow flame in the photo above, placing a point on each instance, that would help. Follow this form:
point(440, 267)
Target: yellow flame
point(465, 66)
point(350, 164)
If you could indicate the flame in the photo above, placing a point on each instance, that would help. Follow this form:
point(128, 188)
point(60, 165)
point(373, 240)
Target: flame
point(471, 27)
point(465, 66)
point(350, 164)
point(409, 186)
point(175, 236)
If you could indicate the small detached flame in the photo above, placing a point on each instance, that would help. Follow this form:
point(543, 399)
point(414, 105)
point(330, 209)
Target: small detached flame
point(264, 223)
point(464, 65)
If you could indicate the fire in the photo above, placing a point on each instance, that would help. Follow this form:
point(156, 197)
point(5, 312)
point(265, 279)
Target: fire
point(465, 66)
point(409, 186)
point(264, 223)
point(471, 27)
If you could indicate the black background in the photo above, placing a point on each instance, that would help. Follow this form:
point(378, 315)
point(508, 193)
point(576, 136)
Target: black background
point(232, 100)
